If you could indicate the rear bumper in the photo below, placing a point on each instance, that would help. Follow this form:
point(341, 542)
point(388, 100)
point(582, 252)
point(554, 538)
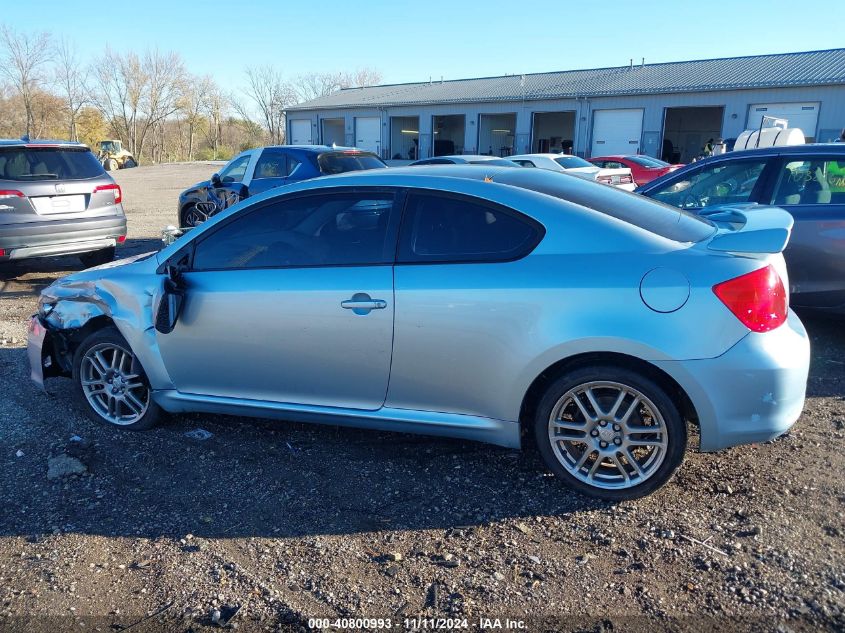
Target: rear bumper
point(629, 187)
point(754, 392)
point(60, 237)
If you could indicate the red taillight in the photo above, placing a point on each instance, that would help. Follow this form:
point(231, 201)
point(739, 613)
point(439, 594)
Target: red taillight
point(758, 299)
point(607, 180)
point(10, 193)
point(118, 194)
point(121, 239)
point(2, 252)
point(625, 180)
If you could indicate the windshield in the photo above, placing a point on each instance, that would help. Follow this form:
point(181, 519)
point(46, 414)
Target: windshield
point(48, 163)
point(110, 146)
point(339, 162)
point(571, 162)
point(647, 161)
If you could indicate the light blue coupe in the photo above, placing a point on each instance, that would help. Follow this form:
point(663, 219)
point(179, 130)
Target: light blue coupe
point(478, 303)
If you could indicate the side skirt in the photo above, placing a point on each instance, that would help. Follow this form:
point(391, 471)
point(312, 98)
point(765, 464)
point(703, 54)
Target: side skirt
point(466, 427)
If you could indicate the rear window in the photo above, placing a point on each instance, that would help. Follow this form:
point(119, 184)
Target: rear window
point(656, 217)
point(339, 162)
point(571, 162)
point(646, 161)
point(29, 164)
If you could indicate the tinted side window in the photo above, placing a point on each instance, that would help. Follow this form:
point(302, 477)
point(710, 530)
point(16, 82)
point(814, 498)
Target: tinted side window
point(271, 164)
point(441, 228)
point(318, 230)
point(725, 182)
point(234, 171)
point(811, 181)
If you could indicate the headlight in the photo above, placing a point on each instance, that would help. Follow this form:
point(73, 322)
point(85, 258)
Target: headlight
point(45, 306)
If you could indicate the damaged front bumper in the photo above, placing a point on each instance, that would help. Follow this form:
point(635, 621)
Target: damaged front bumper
point(39, 348)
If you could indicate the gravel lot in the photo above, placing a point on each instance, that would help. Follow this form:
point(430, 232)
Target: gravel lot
point(268, 524)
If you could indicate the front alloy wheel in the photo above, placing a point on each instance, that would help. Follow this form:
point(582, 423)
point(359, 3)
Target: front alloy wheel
point(111, 382)
point(610, 433)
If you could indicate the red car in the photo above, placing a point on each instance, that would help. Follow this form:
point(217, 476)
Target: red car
point(644, 168)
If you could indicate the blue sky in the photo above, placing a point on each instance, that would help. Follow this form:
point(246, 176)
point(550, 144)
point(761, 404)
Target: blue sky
point(412, 41)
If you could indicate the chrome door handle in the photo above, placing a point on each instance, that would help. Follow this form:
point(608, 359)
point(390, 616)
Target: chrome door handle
point(372, 304)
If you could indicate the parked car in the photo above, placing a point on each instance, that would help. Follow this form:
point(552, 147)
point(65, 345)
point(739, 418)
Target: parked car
point(620, 177)
point(466, 159)
point(56, 199)
point(644, 169)
point(806, 180)
point(452, 301)
point(257, 170)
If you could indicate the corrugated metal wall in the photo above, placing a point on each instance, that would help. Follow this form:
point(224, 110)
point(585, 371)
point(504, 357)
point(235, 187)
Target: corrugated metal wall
point(735, 102)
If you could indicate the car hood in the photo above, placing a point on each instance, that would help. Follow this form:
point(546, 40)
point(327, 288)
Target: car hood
point(193, 188)
point(74, 299)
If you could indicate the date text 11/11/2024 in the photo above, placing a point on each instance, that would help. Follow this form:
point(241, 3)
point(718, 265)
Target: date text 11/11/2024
point(418, 624)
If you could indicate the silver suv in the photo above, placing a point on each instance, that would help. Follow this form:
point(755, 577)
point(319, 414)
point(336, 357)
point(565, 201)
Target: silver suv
point(56, 199)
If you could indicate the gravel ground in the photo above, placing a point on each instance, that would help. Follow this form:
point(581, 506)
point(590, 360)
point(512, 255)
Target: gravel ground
point(266, 525)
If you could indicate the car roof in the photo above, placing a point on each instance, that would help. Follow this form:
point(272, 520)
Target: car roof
point(19, 142)
point(542, 155)
point(787, 150)
point(318, 149)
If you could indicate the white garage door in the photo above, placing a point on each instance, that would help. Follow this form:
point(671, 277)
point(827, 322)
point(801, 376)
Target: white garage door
point(300, 132)
point(368, 133)
point(617, 132)
point(804, 116)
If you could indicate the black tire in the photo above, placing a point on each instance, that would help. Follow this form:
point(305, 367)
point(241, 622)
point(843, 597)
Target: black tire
point(110, 164)
point(610, 482)
point(104, 340)
point(184, 216)
point(95, 258)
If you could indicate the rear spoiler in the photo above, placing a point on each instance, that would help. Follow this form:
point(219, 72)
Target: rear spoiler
point(749, 228)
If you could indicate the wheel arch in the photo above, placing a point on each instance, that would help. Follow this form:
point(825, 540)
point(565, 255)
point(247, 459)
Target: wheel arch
point(551, 373)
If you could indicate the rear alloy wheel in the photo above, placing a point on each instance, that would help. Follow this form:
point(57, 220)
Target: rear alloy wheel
point(111, 383)
point(610, 433)
point(96, 258)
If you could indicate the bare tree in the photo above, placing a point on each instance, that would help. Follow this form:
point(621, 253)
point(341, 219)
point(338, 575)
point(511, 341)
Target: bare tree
point(196, 93)
point(314, 85)
point(72, 80)
point(271, 94)
point(121, 83)
point(362, 77)
point(216, 109)
point(136, 94)
point(23, 62)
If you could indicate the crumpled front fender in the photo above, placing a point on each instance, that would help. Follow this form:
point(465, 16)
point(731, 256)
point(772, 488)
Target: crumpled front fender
point(128, 301)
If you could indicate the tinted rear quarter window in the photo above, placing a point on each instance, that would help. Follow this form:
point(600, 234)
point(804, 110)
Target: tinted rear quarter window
point(30, 164)
point(656, 217)
point(339, 162)
point(449, 228)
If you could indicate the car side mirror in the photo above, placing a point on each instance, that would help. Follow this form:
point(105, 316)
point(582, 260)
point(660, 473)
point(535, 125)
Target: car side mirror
point(215, 180)
point(172, 298)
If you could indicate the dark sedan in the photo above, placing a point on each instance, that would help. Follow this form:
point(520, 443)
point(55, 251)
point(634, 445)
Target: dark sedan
point(806, 180)
point(257, 170)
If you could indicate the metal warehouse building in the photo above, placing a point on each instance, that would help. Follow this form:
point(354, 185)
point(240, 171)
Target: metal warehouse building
point(666, 110)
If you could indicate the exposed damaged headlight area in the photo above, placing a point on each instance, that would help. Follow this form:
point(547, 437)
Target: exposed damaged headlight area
point(67, 305)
